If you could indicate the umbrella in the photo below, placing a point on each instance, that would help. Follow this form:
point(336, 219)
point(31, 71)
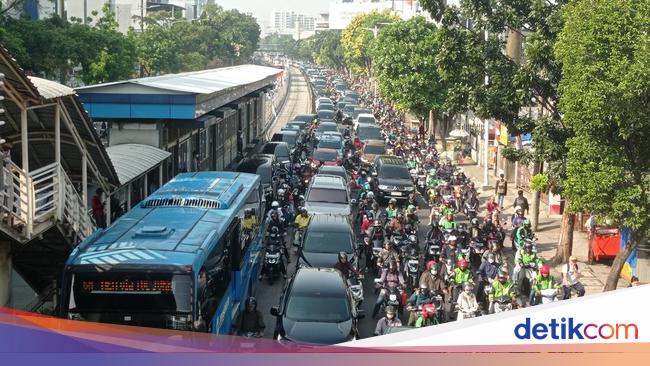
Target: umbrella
point(458, 133)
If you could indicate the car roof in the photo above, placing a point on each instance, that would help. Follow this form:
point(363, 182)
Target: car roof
point(333, 223)
point(365, 115)
point(328, 181)
point(329, 169)
point(249, 164)
point(328, 123)
point(375, 143)
point(390, 160)
point(366, 125)
point(286, 132)
point(326, 150)
point(318, 282)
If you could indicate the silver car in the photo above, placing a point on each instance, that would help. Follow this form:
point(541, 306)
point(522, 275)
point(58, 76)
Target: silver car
point(328, 194)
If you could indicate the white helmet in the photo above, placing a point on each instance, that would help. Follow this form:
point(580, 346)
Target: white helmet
point(370, 195)
point(275, 204)
point(281, 191)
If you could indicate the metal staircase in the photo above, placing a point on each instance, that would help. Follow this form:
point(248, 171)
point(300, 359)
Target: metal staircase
point(32, 203)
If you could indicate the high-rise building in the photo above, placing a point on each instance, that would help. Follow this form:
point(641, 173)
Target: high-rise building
point(341, 12)
point(287, 21)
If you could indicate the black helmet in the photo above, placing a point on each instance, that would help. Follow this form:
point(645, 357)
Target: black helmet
point(390, 310)
point(343, 255)
point(392, 266)
point(251, 301)
point(275, 230)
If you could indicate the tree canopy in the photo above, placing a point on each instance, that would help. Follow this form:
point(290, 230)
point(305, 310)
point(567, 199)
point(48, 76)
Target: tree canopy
point(404, 62)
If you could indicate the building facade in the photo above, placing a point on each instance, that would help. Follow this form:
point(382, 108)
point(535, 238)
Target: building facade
point(341, 12)
point(286, 21)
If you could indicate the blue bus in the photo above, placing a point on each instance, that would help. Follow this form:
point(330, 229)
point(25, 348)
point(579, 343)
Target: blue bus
point(178, 260)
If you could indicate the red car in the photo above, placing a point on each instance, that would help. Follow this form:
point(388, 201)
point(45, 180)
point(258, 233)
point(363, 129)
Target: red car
point(327, 156)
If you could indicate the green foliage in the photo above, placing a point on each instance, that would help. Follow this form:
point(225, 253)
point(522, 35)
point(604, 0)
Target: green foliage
point(519, 155)
point(539, 183)
point(404, 62)
point(328, 50)
point(605, 52)
point(358, 37)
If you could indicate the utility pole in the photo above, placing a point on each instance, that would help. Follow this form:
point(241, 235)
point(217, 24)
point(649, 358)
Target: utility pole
point(486, 136)
point(85, 12)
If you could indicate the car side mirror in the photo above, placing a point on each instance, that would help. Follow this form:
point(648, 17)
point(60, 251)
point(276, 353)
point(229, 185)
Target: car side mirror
point(275, 311)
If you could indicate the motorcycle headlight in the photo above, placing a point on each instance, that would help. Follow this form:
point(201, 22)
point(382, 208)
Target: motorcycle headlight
point(392, 297)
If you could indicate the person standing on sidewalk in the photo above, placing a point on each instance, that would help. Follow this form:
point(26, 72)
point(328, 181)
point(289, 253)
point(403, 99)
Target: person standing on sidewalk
point(501, 189)
point(571, 278)
point(521, 201)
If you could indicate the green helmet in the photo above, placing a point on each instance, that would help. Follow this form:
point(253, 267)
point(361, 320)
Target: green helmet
point(526, 222)
point(411, 207)
point(392, 200)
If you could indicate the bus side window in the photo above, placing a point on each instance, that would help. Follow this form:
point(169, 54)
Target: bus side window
point(235, 245)
point(216, 272)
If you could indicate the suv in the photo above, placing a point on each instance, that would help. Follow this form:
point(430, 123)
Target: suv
point(316, 307)
point(325, 237)
point(328, 194)
point(393, 177)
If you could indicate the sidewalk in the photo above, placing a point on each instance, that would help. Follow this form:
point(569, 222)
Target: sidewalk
point(548, 232)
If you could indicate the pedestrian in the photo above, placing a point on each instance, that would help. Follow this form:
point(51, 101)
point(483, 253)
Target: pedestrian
point(591, 226)
point(571, 278)
point(634, 281)
point(501, 189)
point(421, 131)
point(491, 206)
point(98, 208)
point(521, 201)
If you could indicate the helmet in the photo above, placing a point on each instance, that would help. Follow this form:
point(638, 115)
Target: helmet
point(527, 223)
point(251, 301)
point(370, 194)
point(545, 270)
point(474, 221)
point(281, 192)
point(390, 310)
point(528, 246)
point(343, 255)
point(463, 263)
point(411, 208)
point(248, 212)
point(376, 223)
point(519, 210)
point(363, 173)
point(375, 205)
point(303, 210)
point(274, 213)
point(392, 266)
point(275, 204)
point(502, 274)
point(468, 286)
point(275, 230)
point(423, 286)
point(490, 257)
point(392, 201)
point(428, 310)
point(452, 238)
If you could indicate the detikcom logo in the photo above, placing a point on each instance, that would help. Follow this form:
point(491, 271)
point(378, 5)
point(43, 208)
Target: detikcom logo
point(568, 328)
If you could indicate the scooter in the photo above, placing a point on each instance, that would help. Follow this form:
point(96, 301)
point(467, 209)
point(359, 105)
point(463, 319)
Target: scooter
point(272, 258)
point(549, 295)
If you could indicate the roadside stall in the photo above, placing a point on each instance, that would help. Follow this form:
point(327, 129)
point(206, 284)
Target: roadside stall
point(605, 243)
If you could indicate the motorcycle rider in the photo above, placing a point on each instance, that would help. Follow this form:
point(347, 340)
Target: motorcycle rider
point(419, 297)
point(392, 209)
point(489, 268)
point(500, 288)
point(434, 232)
point(431, 278)
point(396, 225)
point(543, 281)
point(412, 216)
point(388, 254)
point(275, 207)
point(526, 259)
point(344, 266)
point(302, 220)
point(517, 220)
point(390, 277)
point(447, 222)
point(521, 201)
point(389, 321)
point(363, 182)
point(467, 303)
point(250, 320)
point(495, 251)
point(274, 236)
point(366, 223)
point(522, 233)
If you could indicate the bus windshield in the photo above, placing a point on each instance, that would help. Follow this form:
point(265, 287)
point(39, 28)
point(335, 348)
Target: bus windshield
point(129, 298)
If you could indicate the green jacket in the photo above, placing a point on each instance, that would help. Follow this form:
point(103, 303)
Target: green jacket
point(521, 234)
point(542, 283)
point(462, 276)
point(391, 213)
point(411, 164)
point(501, 289)
point(527, 258)
point(444, 224)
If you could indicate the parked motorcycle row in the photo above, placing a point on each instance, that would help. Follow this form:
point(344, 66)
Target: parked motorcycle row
point(449, 270)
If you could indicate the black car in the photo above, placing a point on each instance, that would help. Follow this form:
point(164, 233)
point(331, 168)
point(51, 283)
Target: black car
point(260, 165)
point(326, 236)
point(281, 151)
point(366, 131)
point(316, 308)
point(309, 118)
point(326, 116)
point(393, 177)
point(291, 137)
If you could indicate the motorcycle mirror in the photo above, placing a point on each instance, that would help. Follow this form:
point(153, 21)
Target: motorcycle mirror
point(275, 311)
point(353, 201)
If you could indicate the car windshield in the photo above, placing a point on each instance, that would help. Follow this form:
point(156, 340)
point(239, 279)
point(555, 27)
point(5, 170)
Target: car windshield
point(327, 195)
point(369, 133)
point(394, 172)
point(324, 127)
point(328, 242)
point(323, 114)
point(325, 107)
point(325, 155)
point(330, 144)
point(349, 108)
point(316, 308)
point(338, 173)
point(289, 139)
point(374, 149)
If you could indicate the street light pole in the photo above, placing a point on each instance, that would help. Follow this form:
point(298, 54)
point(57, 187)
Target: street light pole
point(486, 127)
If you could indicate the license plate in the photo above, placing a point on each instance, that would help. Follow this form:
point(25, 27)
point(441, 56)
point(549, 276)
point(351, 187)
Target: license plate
point(395, 193)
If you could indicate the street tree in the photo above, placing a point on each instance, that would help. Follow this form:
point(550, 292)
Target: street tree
point(404, 62)
point(357, 39)
point(604, 48)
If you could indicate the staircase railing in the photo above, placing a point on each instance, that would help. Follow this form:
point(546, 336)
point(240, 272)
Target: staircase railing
point(34, 202)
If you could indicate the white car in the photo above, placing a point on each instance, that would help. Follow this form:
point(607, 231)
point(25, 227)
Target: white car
point(328, 194)
point(366, 118)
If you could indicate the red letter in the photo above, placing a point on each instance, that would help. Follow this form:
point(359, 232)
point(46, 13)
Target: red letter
point(589, 326)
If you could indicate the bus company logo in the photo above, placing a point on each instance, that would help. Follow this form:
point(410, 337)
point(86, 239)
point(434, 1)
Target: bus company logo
point(569, 328)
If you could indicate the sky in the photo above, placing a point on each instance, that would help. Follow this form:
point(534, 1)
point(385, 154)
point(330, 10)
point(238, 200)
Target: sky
point(261, 9)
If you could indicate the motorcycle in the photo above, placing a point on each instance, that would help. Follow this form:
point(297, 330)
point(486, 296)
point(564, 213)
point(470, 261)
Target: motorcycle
point(549, 295)
point(469, 210)
point(394, 297)
point(272, 258)
point(433, 250)
point(297, 237)
point(503, 303)
point(356, 289)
